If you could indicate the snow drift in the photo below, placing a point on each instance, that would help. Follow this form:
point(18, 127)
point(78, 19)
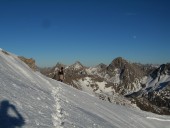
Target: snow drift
point(30, 100)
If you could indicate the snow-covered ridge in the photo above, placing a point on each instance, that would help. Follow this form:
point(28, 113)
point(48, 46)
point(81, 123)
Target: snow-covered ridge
point(30, 100)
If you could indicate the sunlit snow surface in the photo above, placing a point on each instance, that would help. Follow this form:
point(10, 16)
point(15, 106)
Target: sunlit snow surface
point(31, 100)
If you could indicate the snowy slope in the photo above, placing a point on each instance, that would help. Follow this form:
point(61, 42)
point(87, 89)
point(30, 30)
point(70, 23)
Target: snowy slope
point(30, 93)
point(155, 84)
point(31, 100)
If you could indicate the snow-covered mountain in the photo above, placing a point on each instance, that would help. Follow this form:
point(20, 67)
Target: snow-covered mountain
point(76, 66)
point(30, 100)
point(146, 85)
point(106, 82)
point(155, 94)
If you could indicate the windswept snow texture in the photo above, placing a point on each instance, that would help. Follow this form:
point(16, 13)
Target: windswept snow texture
point(31, 100)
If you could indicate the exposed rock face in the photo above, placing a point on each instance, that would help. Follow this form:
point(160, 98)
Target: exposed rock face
point(146, 105)
point(155, 97)
point(125, 76)
point(129, 74)
point(164, 69)
point(30, 62)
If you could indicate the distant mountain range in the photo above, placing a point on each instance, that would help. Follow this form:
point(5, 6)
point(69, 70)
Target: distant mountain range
point(132, 84)
point(29, 99)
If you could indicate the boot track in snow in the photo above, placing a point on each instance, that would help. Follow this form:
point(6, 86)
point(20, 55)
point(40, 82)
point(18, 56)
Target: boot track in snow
point(58, 115)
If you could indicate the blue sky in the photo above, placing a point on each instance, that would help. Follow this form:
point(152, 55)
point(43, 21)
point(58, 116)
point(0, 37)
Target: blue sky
point(90, 31)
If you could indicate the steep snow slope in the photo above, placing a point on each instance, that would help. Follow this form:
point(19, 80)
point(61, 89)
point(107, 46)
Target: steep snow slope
point(157, 84)
point(29, 93)
point(31, 100)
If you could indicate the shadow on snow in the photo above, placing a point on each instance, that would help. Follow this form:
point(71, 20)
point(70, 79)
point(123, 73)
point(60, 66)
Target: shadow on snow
point(12, 120)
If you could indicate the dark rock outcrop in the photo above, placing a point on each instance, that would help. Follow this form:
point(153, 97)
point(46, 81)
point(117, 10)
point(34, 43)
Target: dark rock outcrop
point(30, 62)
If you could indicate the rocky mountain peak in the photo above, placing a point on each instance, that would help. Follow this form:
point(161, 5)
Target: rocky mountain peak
point(119, 62)
point(127, 75)
point(77, 65)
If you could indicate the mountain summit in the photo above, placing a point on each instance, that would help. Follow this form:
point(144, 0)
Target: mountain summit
point(76, 66)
